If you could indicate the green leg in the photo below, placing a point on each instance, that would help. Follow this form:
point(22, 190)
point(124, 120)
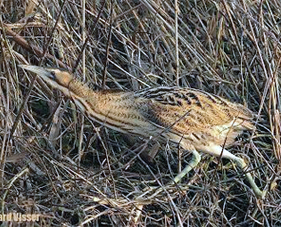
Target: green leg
point(241, 163)
point(192, 164)
point(220, 152)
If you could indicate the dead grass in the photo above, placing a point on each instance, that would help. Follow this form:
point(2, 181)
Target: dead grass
point(74, 172)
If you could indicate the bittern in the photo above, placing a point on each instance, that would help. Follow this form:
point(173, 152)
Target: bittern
point(197, 120)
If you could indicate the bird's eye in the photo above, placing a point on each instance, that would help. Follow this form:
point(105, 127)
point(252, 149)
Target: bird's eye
point(53, 75)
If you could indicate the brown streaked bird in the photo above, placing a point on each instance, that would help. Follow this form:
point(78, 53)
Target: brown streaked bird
point(199, 121)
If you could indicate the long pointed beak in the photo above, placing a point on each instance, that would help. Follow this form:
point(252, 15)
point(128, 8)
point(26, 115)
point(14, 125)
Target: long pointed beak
point(43, 72)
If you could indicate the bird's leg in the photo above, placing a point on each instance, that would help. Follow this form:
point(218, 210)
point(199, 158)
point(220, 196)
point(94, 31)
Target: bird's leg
point(192, 164)
point(241, 163)
point(220, 152)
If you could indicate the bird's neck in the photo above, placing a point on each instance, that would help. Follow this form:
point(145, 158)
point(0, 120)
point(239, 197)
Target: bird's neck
point(89, 100)
point(116, 110)
point(77, 89)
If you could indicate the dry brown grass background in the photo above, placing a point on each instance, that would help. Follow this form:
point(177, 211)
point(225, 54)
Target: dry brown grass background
point(55, 162)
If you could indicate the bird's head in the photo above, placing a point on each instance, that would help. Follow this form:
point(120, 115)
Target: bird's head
point(64, 81)
point(57, 78)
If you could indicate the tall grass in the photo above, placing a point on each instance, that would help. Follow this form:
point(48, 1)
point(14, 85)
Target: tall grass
point(56, 162)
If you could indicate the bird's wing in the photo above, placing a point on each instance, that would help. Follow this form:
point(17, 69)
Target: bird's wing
point(188, 111)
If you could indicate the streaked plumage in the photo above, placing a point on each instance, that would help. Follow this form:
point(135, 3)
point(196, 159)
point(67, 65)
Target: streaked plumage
point(199, 121)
